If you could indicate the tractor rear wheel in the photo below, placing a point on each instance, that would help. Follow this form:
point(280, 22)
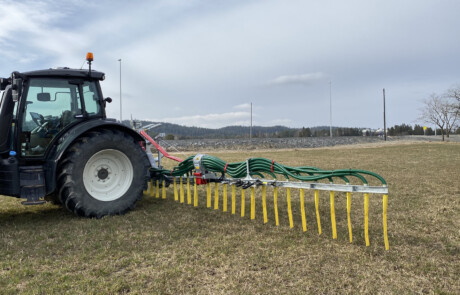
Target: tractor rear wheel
point(103, 173)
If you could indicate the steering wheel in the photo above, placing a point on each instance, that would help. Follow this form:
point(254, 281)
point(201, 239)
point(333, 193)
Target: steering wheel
point(37, 118)
point(42, 124)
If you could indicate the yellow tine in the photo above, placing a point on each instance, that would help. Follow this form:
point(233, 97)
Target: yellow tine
point(264, 203)
point(275, 204)
point(225, 197)
point(233, 199)
point(385, 230)
point(334, 228)
point(366, 218)
point(348, 215)
point(302, 210)
point(195, 194)
point(163, 190)
point(208, 195)
point(189, 192)
point(253, 203)
point(291, 222)
point(152, 188)
point(176, 195)
point(318, 220)
point(157, 193)
point(242, 203)
point(181, 190)
point(216, 196)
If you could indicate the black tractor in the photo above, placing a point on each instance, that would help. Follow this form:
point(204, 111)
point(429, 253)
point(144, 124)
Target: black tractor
point(57, 144)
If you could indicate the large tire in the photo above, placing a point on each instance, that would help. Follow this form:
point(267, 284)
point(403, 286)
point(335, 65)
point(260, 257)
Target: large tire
point(103, 173)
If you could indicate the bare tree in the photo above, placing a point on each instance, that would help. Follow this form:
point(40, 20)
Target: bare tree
point(453, 96)
point(452, 116)
point(441, 112)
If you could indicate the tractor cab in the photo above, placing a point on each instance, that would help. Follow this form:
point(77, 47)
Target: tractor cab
point(39, 106)
point(56, 142)
point(51, 104)
point(41, 113)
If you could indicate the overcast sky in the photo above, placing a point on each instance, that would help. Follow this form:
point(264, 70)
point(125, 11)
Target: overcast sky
point(201, 63)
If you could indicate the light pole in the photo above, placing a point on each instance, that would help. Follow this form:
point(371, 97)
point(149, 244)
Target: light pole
point(384, 117)
point(250, 130)
point(330, 108)
point(121, 116)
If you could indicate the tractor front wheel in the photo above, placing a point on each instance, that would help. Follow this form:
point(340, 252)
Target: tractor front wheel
point(103, 173)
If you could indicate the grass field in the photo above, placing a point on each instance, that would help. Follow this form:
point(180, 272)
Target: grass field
point(164, 247)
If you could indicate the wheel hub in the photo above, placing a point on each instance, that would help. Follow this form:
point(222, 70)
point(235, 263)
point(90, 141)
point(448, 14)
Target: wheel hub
point(103, 173)
point(108, 175)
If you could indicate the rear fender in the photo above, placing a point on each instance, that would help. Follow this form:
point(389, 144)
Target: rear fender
point(68, 138)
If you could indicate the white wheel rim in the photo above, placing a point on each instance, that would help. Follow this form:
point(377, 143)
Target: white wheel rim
point(107, 175)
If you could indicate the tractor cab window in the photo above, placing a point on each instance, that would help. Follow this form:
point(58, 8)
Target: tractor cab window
point(90, 95)
point(51, 105)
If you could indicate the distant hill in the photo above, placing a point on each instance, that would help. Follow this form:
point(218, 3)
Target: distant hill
point(185, 132)
point(175, 131)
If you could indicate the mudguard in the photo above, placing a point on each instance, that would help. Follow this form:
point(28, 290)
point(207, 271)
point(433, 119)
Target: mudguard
point(68, 138)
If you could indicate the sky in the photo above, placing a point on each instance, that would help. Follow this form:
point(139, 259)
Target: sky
point(202, 63)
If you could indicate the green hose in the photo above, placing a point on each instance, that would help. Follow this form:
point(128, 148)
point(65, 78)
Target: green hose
point(261, 166)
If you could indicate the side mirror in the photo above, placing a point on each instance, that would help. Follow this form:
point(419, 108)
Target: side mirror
point(107, 100)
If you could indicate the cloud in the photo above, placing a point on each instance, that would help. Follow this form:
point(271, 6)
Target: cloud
point(212, 120)
point(33, 33)
point(304, 79)
point(243, 106)
point(170, 72)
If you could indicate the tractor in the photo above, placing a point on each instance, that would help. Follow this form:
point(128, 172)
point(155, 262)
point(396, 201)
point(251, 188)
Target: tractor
point(56, 143)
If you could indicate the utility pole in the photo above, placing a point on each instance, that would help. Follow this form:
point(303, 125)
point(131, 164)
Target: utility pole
point(121, 116)
point(330, 108)
point(250, 129)
point(384, 117)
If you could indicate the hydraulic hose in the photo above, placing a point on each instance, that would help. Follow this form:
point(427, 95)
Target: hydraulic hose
point(261, 166)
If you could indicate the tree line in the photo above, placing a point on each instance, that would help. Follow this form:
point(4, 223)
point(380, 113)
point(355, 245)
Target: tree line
point(173, 131)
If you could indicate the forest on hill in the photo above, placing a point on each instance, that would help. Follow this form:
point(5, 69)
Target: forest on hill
point(175, 131)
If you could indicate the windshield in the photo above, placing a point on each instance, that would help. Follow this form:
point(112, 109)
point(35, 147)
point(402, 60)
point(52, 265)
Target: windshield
point(52, 104)
point(49, 98)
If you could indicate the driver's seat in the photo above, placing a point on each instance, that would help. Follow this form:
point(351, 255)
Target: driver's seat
point(66, 118)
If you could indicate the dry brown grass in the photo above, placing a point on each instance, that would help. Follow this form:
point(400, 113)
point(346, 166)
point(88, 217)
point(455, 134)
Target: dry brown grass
point(164, 247)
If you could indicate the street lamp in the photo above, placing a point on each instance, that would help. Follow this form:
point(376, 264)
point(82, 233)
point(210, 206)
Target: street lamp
point(384, 117)
point(121, 116)
point(330, 108)
point(250, 130)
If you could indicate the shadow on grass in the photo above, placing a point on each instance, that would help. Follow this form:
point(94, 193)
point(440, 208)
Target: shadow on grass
point(13, 212)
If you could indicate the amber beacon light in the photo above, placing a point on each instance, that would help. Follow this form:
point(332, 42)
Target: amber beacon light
point(89, 56)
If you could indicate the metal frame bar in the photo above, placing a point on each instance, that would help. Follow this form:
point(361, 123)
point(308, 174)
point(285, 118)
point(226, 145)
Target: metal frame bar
point(350, 188)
